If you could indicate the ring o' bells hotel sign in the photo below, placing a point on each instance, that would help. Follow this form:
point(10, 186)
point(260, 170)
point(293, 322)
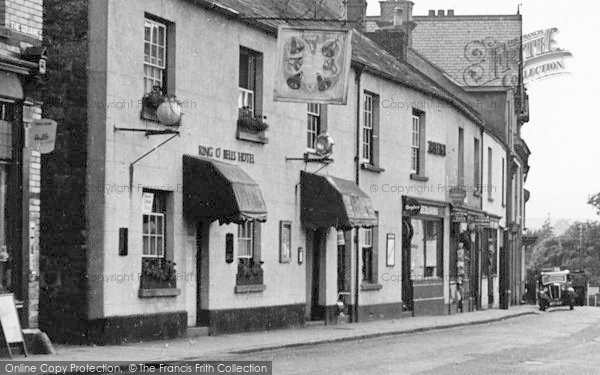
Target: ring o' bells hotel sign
point(313, 64)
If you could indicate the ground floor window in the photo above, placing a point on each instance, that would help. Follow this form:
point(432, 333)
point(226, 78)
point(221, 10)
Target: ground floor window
point(158, 271)
point(248, 252)
point(427, 249)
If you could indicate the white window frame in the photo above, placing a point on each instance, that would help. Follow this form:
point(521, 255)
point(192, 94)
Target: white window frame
point(415, 144)
point(154, 67)
point(247, 97)
point(368, 128)
point(314, 122)
point(246, 239)
point(155, 238)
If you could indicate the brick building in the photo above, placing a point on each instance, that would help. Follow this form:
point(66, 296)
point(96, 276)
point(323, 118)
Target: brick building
point(21, 61)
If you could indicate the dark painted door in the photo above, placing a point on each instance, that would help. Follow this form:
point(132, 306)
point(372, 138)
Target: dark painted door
point(407, 288)
point(200, 318)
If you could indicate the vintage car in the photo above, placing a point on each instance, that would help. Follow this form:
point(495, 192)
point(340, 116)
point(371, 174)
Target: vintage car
point(555, 289)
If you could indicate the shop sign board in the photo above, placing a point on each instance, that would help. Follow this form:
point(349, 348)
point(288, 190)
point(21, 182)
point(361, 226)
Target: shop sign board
point(42, 135)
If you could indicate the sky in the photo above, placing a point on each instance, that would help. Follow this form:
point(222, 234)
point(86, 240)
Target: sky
point(563, 132)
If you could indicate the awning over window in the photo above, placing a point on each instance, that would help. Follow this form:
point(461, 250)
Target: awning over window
point(10, 86)
point(213, 190)
point(333, 202)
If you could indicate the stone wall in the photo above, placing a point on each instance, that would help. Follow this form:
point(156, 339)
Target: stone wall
point(63, 228)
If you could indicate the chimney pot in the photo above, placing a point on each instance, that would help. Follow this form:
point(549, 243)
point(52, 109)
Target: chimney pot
point(450, 12)
point(431, 12)
point(398, 16)
point(440, 13)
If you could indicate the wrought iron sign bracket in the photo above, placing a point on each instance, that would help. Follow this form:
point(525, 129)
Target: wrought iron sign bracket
point(148, 132)
point(308, 158)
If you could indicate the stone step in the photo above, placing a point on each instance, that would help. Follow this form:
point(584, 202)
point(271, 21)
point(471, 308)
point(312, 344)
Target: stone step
point(196, 332)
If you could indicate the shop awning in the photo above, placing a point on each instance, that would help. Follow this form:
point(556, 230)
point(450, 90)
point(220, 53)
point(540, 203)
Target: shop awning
point(333, 202)
point(10, 86)
point(213, 190)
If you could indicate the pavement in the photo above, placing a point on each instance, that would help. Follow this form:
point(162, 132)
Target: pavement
point(202, 348)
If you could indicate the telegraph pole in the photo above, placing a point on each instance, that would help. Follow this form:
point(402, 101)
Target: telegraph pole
point(581, 246)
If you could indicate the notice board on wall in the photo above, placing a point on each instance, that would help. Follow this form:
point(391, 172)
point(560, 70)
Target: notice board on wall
point(9, 320)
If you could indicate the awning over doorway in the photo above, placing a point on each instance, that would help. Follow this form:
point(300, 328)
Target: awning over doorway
point(213, 190)
point(10, 86)
point(333, 202)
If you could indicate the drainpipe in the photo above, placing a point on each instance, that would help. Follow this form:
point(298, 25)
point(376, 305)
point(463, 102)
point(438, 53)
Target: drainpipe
point(357, 80)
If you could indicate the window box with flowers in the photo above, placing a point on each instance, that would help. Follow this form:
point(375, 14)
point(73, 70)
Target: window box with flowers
point(251, 127)
point(158, 278)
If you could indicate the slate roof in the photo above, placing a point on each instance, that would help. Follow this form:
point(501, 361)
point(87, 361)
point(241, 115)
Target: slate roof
point(364, 51)
point(453, 44)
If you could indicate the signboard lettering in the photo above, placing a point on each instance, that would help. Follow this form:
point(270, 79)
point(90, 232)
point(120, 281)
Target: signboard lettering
point(147, 202)
point(230, 155)
point(436, 148)
point(9, 320)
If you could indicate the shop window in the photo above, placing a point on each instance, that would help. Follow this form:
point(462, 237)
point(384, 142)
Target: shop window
point(417, 149)
point(316, 124)
point(249, 263)
point(155, 55)
point(157, 270)
point(6, 130)
point(370, 136)
point(427, 249)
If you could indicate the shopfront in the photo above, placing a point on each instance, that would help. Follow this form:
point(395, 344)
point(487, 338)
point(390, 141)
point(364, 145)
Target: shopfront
point(333, 209)
point(475, 259)
point(423, 256)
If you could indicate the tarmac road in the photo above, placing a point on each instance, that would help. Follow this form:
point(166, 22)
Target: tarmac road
point(555, 342)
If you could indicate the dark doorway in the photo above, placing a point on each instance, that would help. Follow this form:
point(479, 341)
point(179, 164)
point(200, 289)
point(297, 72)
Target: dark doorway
point(318, 248)
point(200, 318)
point(407, 288)
point(475, 268)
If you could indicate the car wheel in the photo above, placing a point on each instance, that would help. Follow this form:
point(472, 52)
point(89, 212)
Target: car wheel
point(542, 308)
point(571, 307)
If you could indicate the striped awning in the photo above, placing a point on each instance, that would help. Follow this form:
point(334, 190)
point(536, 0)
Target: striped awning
point(213, 190)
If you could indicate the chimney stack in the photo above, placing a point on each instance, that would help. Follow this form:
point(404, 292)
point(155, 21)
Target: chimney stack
point(431, 13)
point(440, 13)
point(396, 38)
point(450, 12)
point(356, 11)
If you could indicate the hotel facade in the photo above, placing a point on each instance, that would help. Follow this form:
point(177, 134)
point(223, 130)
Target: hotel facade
point(226, 218)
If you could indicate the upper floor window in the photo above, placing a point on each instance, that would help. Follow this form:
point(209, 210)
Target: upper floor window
point(416, 144)
point(155, 55)
point(314, 125)
point(417, 149)
point(503, 182)
point(490, 188)
point(461, 157)
point(476, 166)
point(370, 136)
point(250, 80)
point(368, 128)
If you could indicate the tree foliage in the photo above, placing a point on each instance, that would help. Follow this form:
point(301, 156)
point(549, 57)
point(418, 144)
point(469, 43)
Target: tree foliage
point(551, 250)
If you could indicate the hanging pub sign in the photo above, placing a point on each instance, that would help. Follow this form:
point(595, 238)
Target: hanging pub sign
point(313, 64)
point(42, 135)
